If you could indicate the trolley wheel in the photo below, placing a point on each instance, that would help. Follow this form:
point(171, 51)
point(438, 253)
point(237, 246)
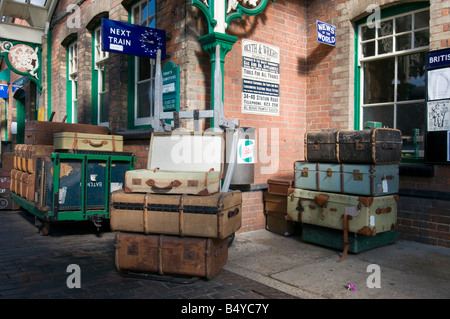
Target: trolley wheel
point(44, 228)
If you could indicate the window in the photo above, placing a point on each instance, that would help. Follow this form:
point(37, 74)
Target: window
point(143, 13)
point(391, 79)
point(72, 69)
point(100, 80)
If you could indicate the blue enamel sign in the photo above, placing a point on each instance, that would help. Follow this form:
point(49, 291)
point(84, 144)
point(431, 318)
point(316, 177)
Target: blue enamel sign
point(440, 58)
point(4, 91)
point(132, 39)
point(326, 33)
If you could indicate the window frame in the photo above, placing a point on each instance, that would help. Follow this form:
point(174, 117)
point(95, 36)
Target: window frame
point(72, 82)
point(100, 66)
point(386, 14)
point(133, 61)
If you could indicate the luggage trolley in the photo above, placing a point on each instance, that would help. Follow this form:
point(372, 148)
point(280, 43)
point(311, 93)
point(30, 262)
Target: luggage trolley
point(75, 187)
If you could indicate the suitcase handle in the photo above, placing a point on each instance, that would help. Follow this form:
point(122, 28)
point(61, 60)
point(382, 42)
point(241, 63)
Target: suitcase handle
point(383, 210)
point(152, 183)
point(95, 144)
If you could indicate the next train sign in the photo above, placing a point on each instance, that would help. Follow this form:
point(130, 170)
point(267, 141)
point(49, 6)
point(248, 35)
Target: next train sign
point(132, 39)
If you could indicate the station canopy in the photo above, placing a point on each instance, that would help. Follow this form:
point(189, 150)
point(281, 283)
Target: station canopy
point(25, 20)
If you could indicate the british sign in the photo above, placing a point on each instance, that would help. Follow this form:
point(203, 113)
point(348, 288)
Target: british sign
point(132, 39)
point(326, 33)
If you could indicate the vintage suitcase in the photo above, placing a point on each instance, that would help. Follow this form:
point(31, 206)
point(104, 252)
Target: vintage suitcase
point(170, 255)
point(82, 181)
point(70, 141)
point(374, 146)
point(180, 163)
point(31, 153)
point(7, 161)
point(19, 153)
point(6, 201)
point(321, 147)
point(12, 185)
point(279, 186)
point(356, 179)
point(333, 238)
point(214, 216)
point(42, 132)
point(364, 215)
point(281, 224)
point(275, 203)
point(5, 179)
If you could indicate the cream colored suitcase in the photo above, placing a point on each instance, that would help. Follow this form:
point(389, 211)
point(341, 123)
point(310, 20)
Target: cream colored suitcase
point(366, 215)
point(70, 141)
point(180, 163)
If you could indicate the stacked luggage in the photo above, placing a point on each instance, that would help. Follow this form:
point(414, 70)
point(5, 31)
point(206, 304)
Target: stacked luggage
point(275, 208)
point(66, 171)
point(172, 218)
point(7, 165)
point(345, 192)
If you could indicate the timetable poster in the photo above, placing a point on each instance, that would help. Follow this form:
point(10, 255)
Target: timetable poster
point(260, 78)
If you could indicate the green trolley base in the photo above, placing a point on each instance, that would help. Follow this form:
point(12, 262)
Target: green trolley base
point(334, 238)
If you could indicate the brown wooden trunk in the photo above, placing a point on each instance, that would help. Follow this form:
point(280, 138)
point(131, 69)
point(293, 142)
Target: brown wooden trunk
point(162, 254)
point(40, 132)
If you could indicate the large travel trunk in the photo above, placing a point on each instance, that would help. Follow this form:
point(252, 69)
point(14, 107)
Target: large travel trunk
point(214, 216)
point(180, 163)
point(321, 147)
point(356, 179)
point(42, 132)
point(365, 215)
point(79, 182)
point(275, 203)
point(281, 224)
point(71, 141)
point(374, 146)
point(171, 255)
point(31, 153)
point(335, 239)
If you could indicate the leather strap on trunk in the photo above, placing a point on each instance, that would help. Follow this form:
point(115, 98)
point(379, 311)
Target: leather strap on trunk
point(75, 142)
point(160, 249)
point(345, 224)
point(146, 230)
point(181, 212)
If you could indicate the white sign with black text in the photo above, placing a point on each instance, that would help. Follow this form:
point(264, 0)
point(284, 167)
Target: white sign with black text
point(260, 78)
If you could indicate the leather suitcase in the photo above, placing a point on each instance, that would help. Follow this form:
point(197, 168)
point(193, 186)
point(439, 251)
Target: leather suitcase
point(321, 147)
point(275, 203)
point(42, 132)
point(5, 179)
point(279, 186)
point(31, 153)
point(12, 185)
point(18, 156)
point(26, 188)
point(7, 161)
point(70, 141)
point(374, 146)
point(281, 224)
point(214, 216)
point(171, 255)
point(356, 179)
point(6, 201)
point(359, 214)
point(180, 163)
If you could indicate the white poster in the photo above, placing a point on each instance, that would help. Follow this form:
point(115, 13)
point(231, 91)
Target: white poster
point(439, 115)
point(260, 78)
point(439, 84)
